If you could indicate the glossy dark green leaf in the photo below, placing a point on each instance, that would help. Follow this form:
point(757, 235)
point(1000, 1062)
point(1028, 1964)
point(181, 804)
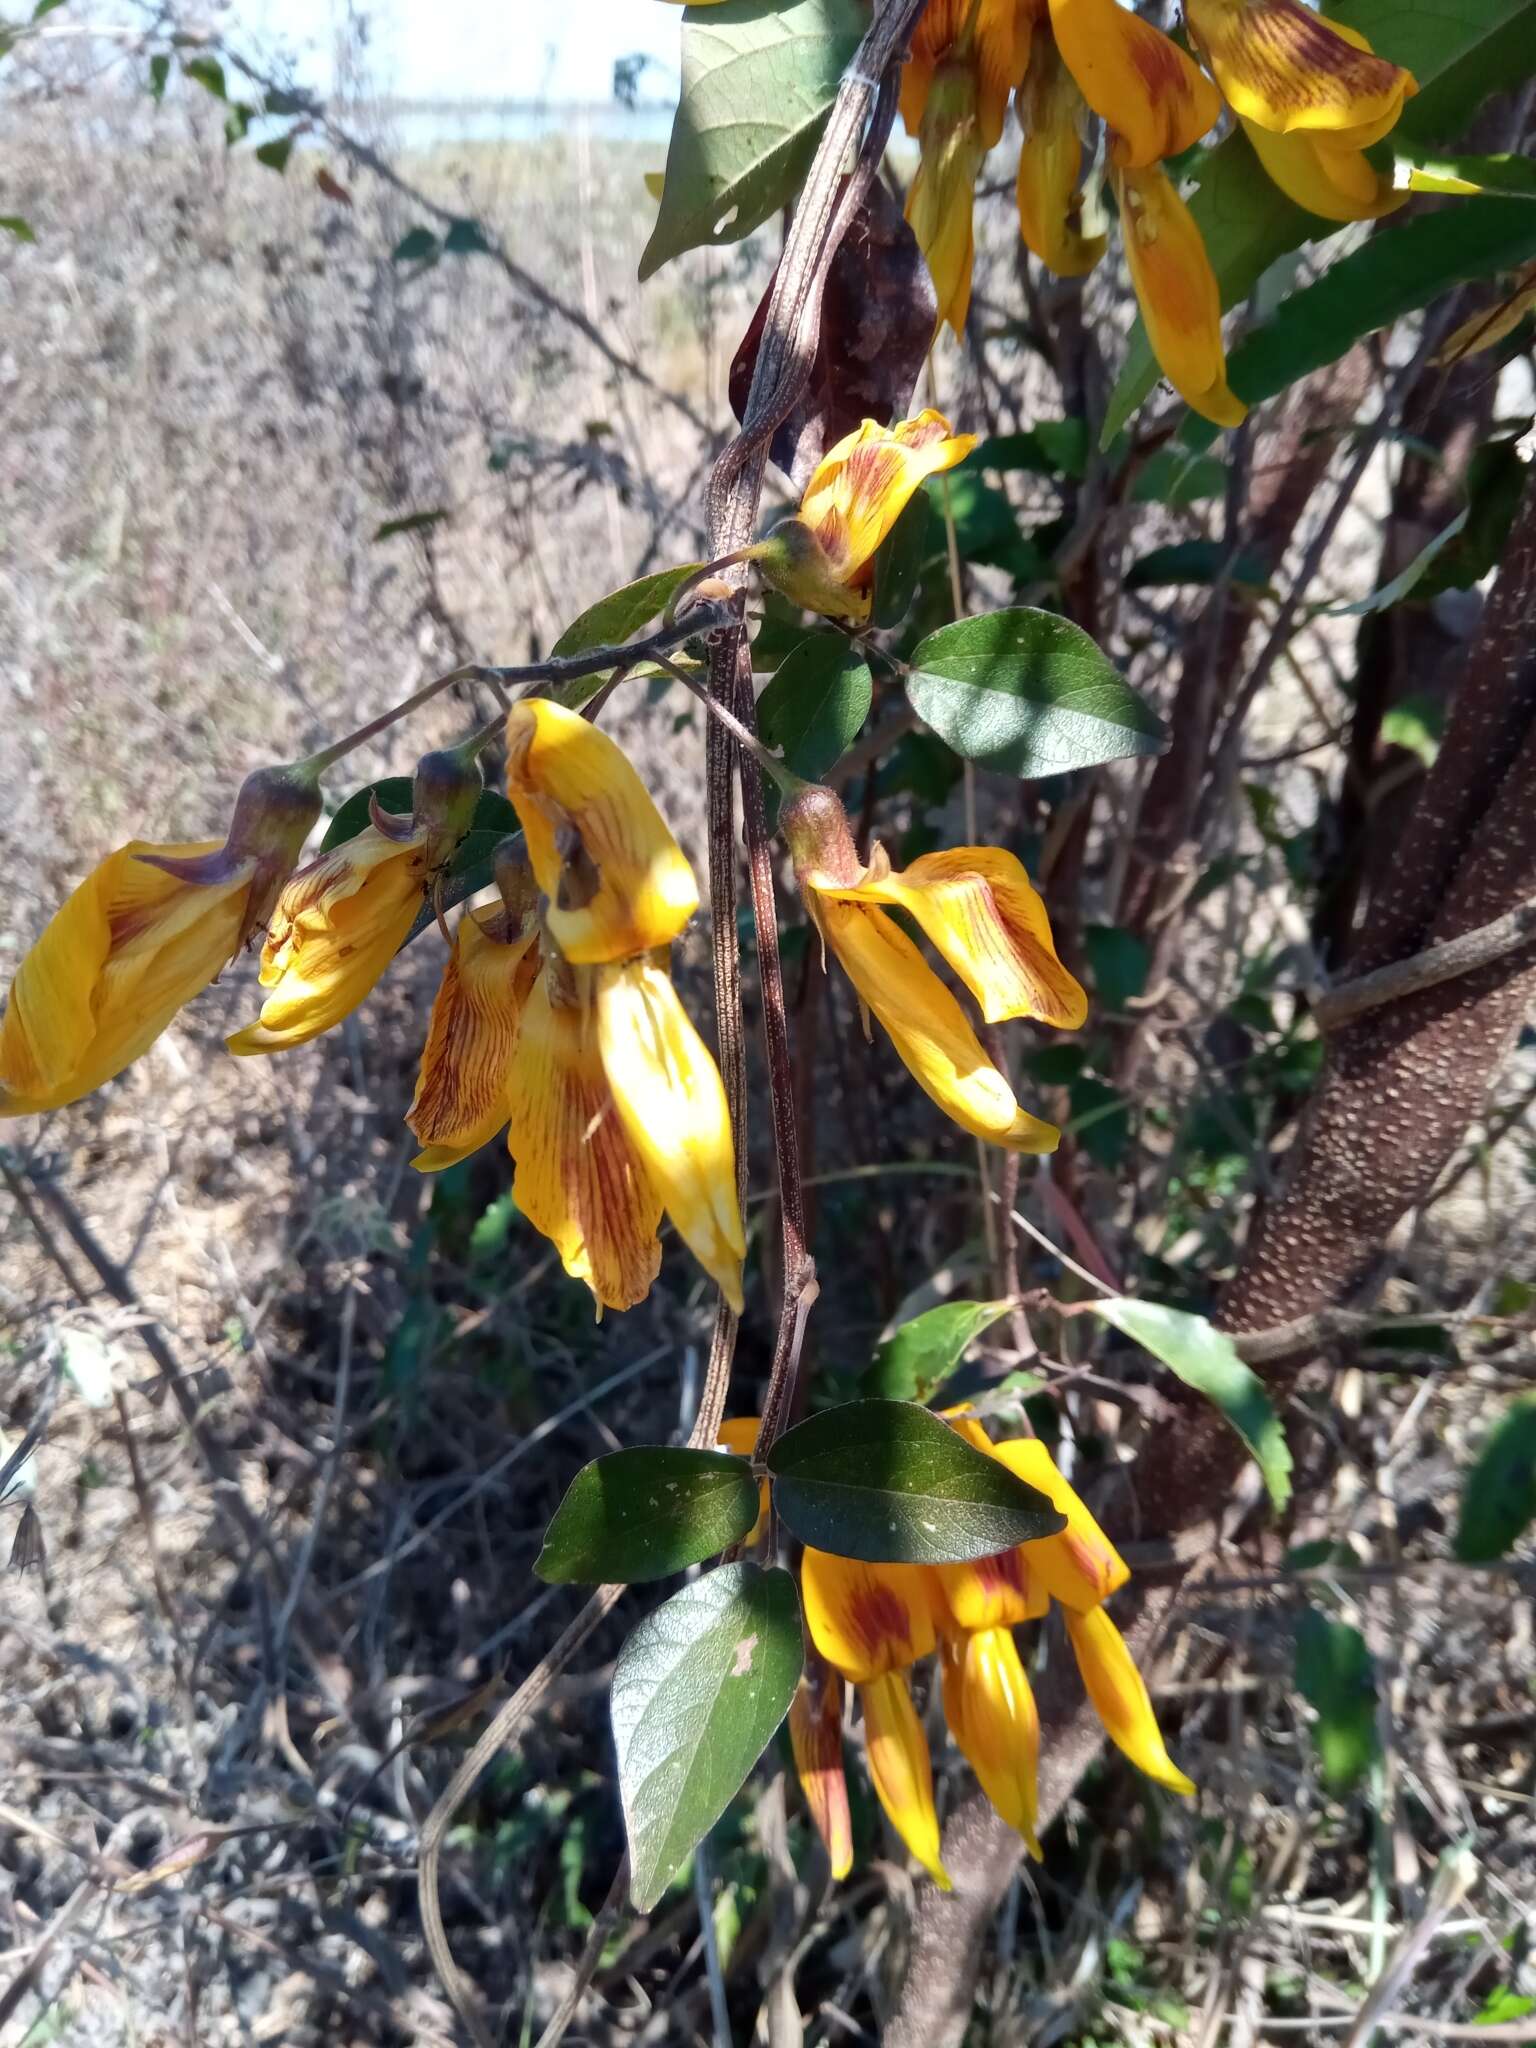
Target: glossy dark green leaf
point(644, 1513)
point(1498, 1502)
point(816, 703)
point(493, 813)
point(1205, 1358)
point(1028, 693)
point(418, 245)
point(1431, 170)
point(412, 522)
point(759, 77)
point(899, 564)
point(919, 1356)
point(889, 1482)
point(699, 1690)
point(1336, 1675)
point(613, 620)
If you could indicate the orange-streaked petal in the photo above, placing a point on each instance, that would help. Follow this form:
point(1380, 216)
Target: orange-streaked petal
point(738, 1433)
point(1120, 1698)
point(1177, 291)
point(1051, 113)
point(578, 1178)
point(977, 906)
point(1156, 99)
point(1078, 1566)
point(900, 1771)
point(462, 1094)
point(994, 1592)
point(998, 53)
point(1285, 67)
point(617, 881)
point(942, 196)
point(861, 486)
point(337, 925)
point(1493, 323)
point(866, 1619)
point(110, 969)
point(991, 1713)
point(1334, 183)
point(816, 1736)
point(671, 1101)
point(926, 1025)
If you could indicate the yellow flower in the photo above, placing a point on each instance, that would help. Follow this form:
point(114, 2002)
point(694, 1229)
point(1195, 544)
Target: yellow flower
point(997, 51)
point(617, 881)
point(899, 1769)
point(1177, 291)
point(994, 1592)
point(1051, 111)
point(145, 932)
point(1493, 323)
point(739, 1433)
point(463, 1091)
point(1285, 67)
point(671, 1103)
point(816, 1736)
point(1156, 99)
point(579, 1180)
point(943, 191)
point(1120, 1699)
point(338, 924)
point(1078, 1566)
point(823, 559)
point(1330, 180)
point(992, 1715)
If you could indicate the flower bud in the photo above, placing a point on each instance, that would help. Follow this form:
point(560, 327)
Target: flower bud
point(275, 811)
point(793, 560)
point(819, 837)
point(445, 789)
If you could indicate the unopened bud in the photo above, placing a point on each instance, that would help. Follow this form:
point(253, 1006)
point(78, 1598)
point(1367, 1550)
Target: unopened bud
point(445, 789)
point(275, 812)
point(515, 879)
point(793, 560)
point(819, 838)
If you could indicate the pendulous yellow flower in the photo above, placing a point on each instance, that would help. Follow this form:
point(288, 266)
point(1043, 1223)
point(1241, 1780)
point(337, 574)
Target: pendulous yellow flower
point(1327, 178)
point(1120, 1698)
point(1286, 68)
point(1155, 99)
point(149, 929)
point(823, 558)
point(617, 881)
point(463, 1089)
point(992, 1715)
point(670, 1100)
point(1078, 1566)
point(816, 1737)
point(1177, 291)
point(1051, 114)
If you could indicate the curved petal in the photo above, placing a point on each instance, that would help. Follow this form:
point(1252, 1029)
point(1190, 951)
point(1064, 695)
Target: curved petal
point(578, 1179)
point(1078, 1566)
point(1120, 1698)
point(1051, 113)
point(671, 1101)
point(866, 1619)
point(816, 1737)
point(338, 924)
point(1176, 288)
point(861, 486)
point(992, 1715)
point(977, 906)
point(1336, 184)
point(1285, 67)
point(940, 208)
point(999, 55)
point(463, 1087)
point(926, 1025)
point(900, 1771)
point(1156, 99)
point(111, 968)
point(994, 1592)
point(617, 881)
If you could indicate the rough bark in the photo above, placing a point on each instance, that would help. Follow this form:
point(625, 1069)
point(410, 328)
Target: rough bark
point(1398, 1090)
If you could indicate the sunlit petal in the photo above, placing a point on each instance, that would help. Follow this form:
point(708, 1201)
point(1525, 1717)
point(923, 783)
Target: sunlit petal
point(816, 1736)
point(1051, 113)
point(1177, 291)
point(463, 1089)
point(992, 1715)
point(862, 485)
point(1286, 67)
point(900, 1771)
point(1156, 99)
point(1078, 1566)
point(866, 1619)
point(1120, 1698)
point(1332, 182)
point(994, 1592)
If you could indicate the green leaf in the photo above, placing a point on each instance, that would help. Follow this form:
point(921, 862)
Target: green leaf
point(420, 245)
point(1195, 561)
point(13, 224)
point(159, 73)
point(1397, 587)
point(816, 703)
point(208, 72)
point(493, 1226)
point(1206, 1359)
point(1430, 170)
point(1459, 50)
point(1049, 448)
point(1178, 476)
point(275, 154)
point(1416, 725)
point(1336, 1674)
point(413, 522)
point(1495, 480)
point(466, 238)
point(899, 564)
point(916, 1359)
point(758, 80)
point(612, 621)
point(1119, 963)
point(493, 813)
point(643, 1513)
point(888, 1482)
point(698, 1692)
point(1028, 693)
point(1498, 1501)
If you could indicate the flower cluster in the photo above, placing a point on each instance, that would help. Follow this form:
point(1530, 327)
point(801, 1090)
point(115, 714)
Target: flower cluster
point(1310, 94)
point(870, 1623)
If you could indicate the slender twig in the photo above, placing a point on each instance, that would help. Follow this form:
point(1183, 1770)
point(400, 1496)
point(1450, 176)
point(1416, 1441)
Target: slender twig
point(1446, 961)
point(591, 1956)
